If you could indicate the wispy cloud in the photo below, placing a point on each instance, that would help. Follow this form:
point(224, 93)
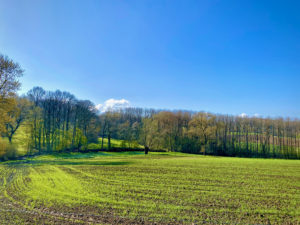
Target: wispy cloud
point(113, 104)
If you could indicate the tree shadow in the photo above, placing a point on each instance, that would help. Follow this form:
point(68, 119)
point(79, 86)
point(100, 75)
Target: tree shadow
point(66, 163)
point(80, 155)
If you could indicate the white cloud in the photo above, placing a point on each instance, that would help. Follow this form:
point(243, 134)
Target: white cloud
point(256, 115)
point(243, 115)
point(113, 104)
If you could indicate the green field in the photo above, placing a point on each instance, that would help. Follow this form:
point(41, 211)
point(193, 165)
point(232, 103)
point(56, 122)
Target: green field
point(164, 188)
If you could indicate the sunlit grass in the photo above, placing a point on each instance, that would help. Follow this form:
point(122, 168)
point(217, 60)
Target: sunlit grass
point(161, 187)
point(115, 144)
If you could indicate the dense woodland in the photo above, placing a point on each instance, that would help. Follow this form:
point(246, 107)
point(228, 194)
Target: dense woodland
point(57, 121)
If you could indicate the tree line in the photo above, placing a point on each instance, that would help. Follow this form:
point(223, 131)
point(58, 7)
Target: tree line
point(205, 133)
point(58, 121)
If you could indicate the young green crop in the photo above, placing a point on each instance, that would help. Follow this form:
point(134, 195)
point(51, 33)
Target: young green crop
point(159, 187)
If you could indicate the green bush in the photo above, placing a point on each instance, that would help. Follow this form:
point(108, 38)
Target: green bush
point(8, 151)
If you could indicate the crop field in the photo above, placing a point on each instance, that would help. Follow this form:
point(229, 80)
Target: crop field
point(161, 188)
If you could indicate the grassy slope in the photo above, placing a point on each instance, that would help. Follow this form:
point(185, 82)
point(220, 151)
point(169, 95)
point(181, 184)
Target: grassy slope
point(114, 144)
point(162, 187)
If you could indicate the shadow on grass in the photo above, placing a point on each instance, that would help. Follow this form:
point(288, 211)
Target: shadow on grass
point(79, 155)
point(93, 154)
point(66, 162)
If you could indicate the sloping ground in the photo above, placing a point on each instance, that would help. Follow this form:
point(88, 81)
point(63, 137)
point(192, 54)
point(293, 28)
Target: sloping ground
point(131, 188)
point(115, 143)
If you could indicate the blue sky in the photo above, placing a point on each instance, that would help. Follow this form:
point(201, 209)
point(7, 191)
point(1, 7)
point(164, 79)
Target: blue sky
point(223, 56)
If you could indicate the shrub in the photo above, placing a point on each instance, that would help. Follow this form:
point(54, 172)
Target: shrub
point(8, 151)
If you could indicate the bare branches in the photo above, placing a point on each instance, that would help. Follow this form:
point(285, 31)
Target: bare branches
point(9, 74)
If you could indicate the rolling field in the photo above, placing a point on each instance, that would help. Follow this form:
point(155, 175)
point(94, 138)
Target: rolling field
point(162, 188)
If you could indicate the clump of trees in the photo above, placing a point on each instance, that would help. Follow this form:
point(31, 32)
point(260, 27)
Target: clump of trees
point(53, 121)
point(59, 121)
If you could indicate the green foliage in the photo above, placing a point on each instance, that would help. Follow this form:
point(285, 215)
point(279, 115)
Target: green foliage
point(10, 71)
point(159, 187)
point(8, 150)
point(80, 139)
point(22, 139)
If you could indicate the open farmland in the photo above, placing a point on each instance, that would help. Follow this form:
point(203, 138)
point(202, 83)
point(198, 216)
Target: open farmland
point(126, 188)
